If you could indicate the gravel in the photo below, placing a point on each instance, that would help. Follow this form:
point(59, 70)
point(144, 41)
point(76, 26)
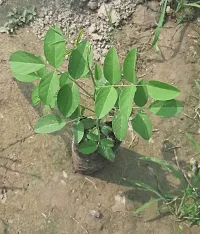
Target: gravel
point(98, 19)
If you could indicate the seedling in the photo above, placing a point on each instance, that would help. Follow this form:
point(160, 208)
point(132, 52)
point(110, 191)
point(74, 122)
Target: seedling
point(113, 99)
point(184, 9)
point(186, 205)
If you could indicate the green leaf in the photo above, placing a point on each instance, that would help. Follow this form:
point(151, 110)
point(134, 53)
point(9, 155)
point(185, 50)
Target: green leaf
point(89, 123)
point(78, 65)
point(111, 67)
point(76, 114)
point(160, 23)
point(48, 87)
point(35, 96)
point(120, 125)
point(141, 94)
point(54, 47)
point(68, 99)
point(107, 143)
point(130, 66)
point(162, 163)
point(105, 101)
point(195, 144)
point(106, 130)
point(43, 70)
point(192, 5)
point(78, 131)
point(106, 152)
point(142, 125)
point(161, 91)
point(25, 78)
point(88, 147)
point(126, 100)
point(93, 134)
point(49, 123)
point(146, 205)
point(98, 73)
point(64, 79)
point(166, 109)
point(145, 186)
point(24, 63)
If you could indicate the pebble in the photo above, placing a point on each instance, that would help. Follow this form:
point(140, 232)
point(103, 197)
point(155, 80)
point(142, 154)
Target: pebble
point(92, 29)
point(93, 4)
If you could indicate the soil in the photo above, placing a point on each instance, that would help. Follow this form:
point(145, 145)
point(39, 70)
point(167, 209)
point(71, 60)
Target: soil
point(41, 194)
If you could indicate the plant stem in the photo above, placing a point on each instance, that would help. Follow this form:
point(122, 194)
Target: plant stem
point(82, 88)
point(87, 108)
point(98, 130)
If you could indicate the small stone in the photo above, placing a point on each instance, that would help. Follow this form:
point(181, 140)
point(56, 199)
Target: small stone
point(65, 174)
point(169, 10)
point(93, 4)
point(96, 37)
point(96, 214)
point(92, 29)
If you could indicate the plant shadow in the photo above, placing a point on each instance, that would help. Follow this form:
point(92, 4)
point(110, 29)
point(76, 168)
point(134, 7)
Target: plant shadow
point(128, 167)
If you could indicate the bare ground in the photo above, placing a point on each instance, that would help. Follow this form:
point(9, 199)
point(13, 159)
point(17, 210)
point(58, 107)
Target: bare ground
point(40, 193)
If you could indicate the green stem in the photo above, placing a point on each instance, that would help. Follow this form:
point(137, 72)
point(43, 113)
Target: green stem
point(98, 129)
point(181, 204)
point(87, 108)
point(84, 90)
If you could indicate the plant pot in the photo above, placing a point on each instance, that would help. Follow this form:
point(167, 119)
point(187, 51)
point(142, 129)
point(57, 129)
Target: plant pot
point(88, 164)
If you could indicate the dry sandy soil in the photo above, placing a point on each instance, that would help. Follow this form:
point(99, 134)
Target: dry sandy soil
point(40, 193)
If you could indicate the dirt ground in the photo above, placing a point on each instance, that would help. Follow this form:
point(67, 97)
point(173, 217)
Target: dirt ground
point(40, 193)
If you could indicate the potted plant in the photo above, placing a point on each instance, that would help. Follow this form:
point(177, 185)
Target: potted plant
point(115, 98)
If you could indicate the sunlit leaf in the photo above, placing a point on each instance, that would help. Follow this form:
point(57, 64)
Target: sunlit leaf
point(130, 66)
point(78, 131)
point(54, 47)
point(142, 125)
point(105, 100)
point(111, 67)
point(49, 124)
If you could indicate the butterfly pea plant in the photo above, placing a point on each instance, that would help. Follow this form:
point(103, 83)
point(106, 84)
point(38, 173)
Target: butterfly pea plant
point(116, 96)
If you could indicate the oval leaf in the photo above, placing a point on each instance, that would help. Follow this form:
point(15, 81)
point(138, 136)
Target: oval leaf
point(88, 147)
point(25, 78)
point(105, 101)
point(141, 95)
point(107, 143)
point(93, 135)
point(24, 63)
point(78, 61)
point(98, 73)
point(64, 79)
point(89, 123)
point(126, 100)
point(166, 109)
point(120, 125)
point(78, 131)
point(106, 152)
point(68, 99)
point(129, 66)
point(35, 96)
point(142, 125)
point(161, 91)
point(54, 47)
point(111, 67)
point(49, 124)
point(48, 87)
